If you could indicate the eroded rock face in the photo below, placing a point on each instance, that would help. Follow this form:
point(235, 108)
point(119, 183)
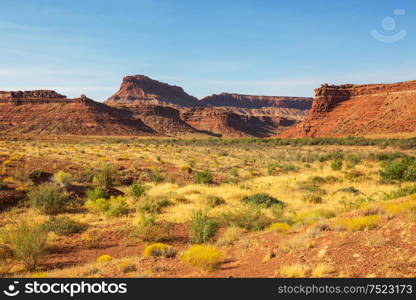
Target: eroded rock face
point(230, 122)
point(165, 120)
point(251, 101)
point(144, 90)
point(359, 110)
point(47, 112)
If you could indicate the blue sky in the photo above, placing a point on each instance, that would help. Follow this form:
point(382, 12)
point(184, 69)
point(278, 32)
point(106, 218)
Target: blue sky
point(252, 47)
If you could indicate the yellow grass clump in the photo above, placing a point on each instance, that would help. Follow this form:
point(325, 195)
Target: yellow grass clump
point(157, 249)
point(292, 271)
point(104, 258)
point(278, 227)
point(359, 223)
point(204, 257)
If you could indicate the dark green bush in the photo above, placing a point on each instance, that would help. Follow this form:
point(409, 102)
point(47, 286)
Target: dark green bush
point(63, 225)
point(137, 190)
point(214, 201)
point(403, 169)
point(104, 177)
point(202, 228)
point(48, 199)
point(204, 177)
point(156, 176)
point(95, 194)
point(401, 192)
point(263, 200)
point(249, 218)
point(336, 165)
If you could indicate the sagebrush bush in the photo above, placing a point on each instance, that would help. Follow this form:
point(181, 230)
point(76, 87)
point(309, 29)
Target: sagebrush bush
point(336, 165)
point(248, 218)
point(204, 177)
point(401, 192)
point(152, 205)
point(159, 249)
point(95, 194)
point(62, 179)
point(263, 200)
point(205, 257)
point(214, 201)
point(403, 169)
point(147, 230)
point(312, 198)
point(104, 177)
point(202, 228)
point(48, 199)
point(28, 243)
point(156, 176)
point(63, 225)
point(137, 190)
point(113, 207)
point(92, 239)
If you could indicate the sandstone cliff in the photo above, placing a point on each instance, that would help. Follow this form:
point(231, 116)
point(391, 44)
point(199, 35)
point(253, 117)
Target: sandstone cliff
point(47, 112)
point(251, 101)
point(143, 90)
point(359, 110)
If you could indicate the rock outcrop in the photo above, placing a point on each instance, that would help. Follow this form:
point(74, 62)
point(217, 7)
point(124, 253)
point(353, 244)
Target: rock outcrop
point(168, 110)
point(47, 112)
point(143, 90)
point(359, 110)
point(251, 101)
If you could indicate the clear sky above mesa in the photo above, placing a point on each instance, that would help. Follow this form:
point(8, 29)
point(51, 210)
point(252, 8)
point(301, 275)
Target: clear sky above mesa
point(250, 47)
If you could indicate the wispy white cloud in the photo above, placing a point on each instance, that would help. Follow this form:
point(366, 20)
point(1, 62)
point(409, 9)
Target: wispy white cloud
point(20, 27)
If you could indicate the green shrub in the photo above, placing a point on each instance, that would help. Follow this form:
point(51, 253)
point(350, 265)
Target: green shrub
point(28, 243)
point(95, 194)
point(204, 177)
point(147, 230)
point(262, 200)
point(62, 179)
point(401, 192)
point(356, 176)
point(137, 190)
point(152, 205)
point(2, 185)
point(48, 199)
point(113, 207)
point(403, 169)
point(202, 228)
point(248, 218)
point(312, 198)
point(104, 177)
point(214, 201)
point(63, 225)
point(234, 172)
point(353, 159)
point(156, 176)
point(336, 165)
